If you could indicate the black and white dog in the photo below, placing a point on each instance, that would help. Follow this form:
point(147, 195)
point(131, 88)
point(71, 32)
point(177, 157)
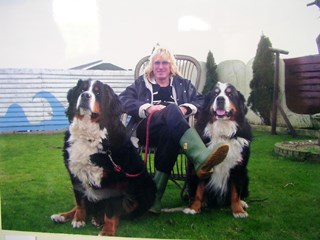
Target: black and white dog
point(223, 121)
point(108, 176)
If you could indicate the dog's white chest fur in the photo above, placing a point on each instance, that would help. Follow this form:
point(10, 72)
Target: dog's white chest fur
point(221, 131)
point(85, 140)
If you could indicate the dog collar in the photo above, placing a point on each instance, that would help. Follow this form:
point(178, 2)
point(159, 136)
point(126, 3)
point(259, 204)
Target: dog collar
point(118, 168)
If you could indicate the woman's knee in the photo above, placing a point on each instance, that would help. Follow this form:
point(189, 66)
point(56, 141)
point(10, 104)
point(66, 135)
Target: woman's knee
point(173, 108)
point(173, 111)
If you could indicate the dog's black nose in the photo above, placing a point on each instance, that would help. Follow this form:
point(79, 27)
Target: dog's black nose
point(86, 95)
point(220, 102)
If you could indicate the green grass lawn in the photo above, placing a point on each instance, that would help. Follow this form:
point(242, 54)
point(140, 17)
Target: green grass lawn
point(284, 196)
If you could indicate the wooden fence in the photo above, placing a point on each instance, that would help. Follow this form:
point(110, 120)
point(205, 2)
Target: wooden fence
point(35, 99)
point(302, 84)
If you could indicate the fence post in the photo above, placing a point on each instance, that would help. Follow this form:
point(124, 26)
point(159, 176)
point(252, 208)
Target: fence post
point(275, 103)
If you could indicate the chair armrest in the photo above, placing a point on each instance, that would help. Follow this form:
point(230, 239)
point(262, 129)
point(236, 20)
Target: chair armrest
point(192, 120)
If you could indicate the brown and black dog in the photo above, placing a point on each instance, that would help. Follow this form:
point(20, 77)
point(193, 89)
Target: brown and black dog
point(223, 121)
point(108, 176)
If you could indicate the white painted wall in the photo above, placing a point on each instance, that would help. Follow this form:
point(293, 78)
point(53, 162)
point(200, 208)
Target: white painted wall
point(35, 99)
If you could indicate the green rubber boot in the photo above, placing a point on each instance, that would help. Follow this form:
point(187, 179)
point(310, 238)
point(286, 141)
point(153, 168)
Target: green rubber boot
point(203, 158)
point(161, 180)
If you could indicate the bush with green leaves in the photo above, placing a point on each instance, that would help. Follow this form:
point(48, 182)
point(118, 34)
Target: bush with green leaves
point(211, 74)
point(261, 95)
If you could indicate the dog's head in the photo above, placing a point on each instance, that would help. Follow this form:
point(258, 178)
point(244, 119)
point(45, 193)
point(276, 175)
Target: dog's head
point(226, 102)
point(94, 99)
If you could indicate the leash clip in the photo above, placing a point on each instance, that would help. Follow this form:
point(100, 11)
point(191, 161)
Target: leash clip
point(117, 168)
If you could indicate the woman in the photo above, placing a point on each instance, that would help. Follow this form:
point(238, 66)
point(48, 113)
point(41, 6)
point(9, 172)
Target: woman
point(168, 99)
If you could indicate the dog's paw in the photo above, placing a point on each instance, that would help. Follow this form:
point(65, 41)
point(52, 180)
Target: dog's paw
point(96, 222)
point(189, 211)
point(244, 204)
point(95, 182)
point(243, 214)
point(57, 218)
point(78, 224)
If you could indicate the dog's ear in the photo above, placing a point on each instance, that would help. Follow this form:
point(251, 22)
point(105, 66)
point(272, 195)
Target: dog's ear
point(72, 97)
point(204, 115)
point(115, 106)
point(208, 98)
point(242, 103)
point(112, 111)
point(111, 108)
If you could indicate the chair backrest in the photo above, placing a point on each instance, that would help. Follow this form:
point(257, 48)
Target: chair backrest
point(188, 67)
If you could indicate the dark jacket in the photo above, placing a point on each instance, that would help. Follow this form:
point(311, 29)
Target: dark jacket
point(137, 97)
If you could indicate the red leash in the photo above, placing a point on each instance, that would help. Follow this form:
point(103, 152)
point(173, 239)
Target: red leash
point(118, 168)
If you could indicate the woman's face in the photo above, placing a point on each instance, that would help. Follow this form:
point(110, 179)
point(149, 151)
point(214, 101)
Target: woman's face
point(161, 68)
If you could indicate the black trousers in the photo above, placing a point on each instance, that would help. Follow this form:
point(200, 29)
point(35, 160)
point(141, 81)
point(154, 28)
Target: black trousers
point(165, 131)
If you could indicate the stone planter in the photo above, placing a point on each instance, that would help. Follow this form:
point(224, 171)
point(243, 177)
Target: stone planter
point(299, 150)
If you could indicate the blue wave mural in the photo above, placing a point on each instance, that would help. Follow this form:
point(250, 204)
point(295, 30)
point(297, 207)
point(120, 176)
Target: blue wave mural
point(16, 119)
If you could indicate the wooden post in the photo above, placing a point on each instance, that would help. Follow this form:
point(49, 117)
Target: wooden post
point(275, 95)
point(275, 104)
point(275, 88)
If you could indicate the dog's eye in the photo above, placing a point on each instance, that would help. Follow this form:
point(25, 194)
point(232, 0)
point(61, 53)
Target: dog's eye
point(216, 92)
point(96, 91)
point(229, 92)
point(84, 88)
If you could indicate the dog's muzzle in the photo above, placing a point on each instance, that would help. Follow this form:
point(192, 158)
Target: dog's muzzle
point(85, 101)
point(220, 110)
point(84, 105)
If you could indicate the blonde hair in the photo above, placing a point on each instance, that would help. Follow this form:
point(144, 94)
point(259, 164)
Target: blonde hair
point(165, 54)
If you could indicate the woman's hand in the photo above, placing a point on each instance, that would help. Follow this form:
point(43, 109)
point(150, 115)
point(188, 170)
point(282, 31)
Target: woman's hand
point(184, 110)
point(155, 108)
